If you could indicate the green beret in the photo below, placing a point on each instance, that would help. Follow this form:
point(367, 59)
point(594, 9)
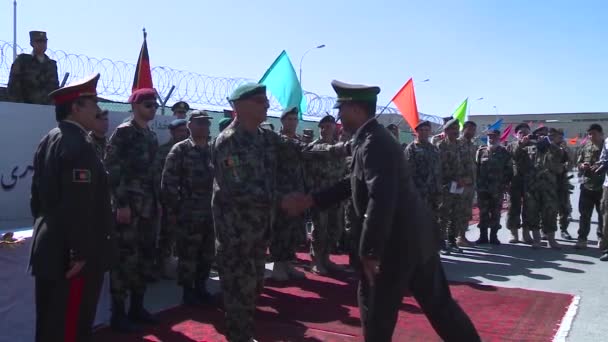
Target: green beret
point(354, 93)
point(181, 105)
point(423, 123)
point(199, 114)
point(246, 91)
point(327, 118)
point(225, 122)
point(177, 123)
point(291, 110)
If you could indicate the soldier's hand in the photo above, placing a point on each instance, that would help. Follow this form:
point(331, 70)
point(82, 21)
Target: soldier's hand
point(123, 215)
point(371, 267)
point(75, 268)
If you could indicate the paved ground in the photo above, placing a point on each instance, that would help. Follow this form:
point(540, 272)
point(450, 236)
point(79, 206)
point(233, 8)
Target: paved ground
point(567, 271)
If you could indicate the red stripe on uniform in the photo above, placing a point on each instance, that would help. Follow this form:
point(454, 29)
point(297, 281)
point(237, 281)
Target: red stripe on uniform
point(73, 308)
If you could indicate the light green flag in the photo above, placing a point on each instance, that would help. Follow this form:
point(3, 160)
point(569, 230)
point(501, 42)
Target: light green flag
point(460, 113)
point(282, 82)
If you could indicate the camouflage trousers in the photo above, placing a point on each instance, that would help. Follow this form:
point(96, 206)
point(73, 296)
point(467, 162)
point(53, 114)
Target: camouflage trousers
point(242, 239)
point(490, 205)
point(195, 244)
point(588, 201)
point(565, 209)
point(542, 207)
point(136, 246)
point(325, 232)
point(285, 236)
point(603, 245)
point(166, 239)
point(517, 216)
point(453, 218)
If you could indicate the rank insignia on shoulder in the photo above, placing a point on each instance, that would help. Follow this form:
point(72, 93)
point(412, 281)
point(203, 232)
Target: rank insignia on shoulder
point(81, 176)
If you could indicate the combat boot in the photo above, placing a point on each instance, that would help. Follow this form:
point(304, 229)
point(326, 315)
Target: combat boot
point(318, 266)
point(279, 271)
point(119, 321)
point(581, 244)
point(293, 272)
point(462, 241)
point(494, 236)
point(565, 234)
point(552, 243)
point(514, 236)
point(331, 266)
point(536, 239)
point(483, 236)
point(527, 239)
point(137, 312)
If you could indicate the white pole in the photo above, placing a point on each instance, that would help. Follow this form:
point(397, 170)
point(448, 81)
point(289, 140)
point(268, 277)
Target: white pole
point(14, 29)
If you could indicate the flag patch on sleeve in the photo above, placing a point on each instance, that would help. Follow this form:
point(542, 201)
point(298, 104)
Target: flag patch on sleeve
point(81, 176)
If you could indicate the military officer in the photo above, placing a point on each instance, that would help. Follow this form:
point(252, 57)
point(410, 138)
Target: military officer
point(180, 109)
point(397, 247)
point(187, 183)
point(33, 76)
point(134, 182)
point(494, 173)
point(99, 131)
point(72, 243)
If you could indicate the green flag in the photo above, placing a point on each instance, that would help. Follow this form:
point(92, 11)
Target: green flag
point(460, 113)
point(282, 82)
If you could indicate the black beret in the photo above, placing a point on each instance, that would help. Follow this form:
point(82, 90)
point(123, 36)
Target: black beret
point(327, 118)
point(471, 123)
point(181, 105)
point(493, 132)
point(423, 123)
point(539, 129)
point(521, 126)
point(595, 127)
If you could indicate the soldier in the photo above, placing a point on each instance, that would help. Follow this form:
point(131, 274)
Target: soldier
point(98, 133)
point(180, 109)
point(187, 184)
point(394, 129)
point(494, 172)
point(134, 181)
point(517, 213)
point(225, 122)
point(72, 242)
point(591, 188)
point(435, 139)
point(467, 156)
point(326, 226)
point(452, 174)
point(287, 231)
point(423, 158)
point(166, 236)
point(308, 135)
point(33, 76)
point(564, 188)
point(397, 247)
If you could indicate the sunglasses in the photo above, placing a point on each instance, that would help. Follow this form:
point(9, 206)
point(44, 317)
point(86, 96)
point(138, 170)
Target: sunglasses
point(150, 104)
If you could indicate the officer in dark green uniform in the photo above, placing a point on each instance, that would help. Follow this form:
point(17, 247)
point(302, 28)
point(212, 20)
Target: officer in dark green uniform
point(180, 109)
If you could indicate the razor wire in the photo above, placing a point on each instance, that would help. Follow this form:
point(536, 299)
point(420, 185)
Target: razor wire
point(197, 89)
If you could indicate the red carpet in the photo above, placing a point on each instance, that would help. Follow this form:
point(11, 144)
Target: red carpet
point(324, 309)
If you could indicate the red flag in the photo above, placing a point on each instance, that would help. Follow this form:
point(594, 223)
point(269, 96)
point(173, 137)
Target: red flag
point(143, 74)
point(405, 100)
point(573, 141)
point(506, 133)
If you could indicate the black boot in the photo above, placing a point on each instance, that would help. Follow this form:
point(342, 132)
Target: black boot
point(119, 321)
point(483, 236)
point(137, 312)
point(494, 236)
point(190, 296)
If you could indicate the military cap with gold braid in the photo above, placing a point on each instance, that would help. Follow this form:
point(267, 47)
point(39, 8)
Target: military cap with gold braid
point(82, 88)
point(354, 93)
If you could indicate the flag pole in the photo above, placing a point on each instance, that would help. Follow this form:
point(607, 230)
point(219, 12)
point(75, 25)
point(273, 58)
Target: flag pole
point(14, 30)
point(385, 107)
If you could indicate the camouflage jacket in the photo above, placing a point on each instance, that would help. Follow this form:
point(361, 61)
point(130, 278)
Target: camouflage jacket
point(494, 169)
point(290, 170)
point(162, 153)
point(31, 81)
point(542, 164)
point(322, 171)
point(187, 181)
point(424, 161)
point(99, 144)
point(590, 153)
point(468, 151)
point(452, 168)
point(134, 179)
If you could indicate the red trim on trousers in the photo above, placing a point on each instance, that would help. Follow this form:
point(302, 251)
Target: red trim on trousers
point(73, 308)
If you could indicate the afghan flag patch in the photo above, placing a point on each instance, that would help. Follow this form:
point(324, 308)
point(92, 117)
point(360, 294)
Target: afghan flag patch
point(81, 176)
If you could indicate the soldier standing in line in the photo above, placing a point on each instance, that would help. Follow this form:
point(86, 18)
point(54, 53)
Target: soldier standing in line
point(180, 110)
point(166, 237)
point(326, 225)
point(186, 188)
point(494, 172)
point(517, 214)
point(134, 181)
point(435, 139)
point(98, 133)
point(591, 188)
point(33, 76)
point(394, 129)
point(287, 230)
point(72, 243)
point(468, 151)
point(452, 174)
point(565, 188)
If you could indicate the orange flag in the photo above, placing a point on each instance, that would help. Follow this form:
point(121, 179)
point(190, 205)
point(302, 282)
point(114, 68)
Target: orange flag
point(405, 100)
point(573, 141)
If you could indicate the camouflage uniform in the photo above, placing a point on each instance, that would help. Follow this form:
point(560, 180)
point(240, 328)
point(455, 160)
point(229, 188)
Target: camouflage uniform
point(134, 182)
point(517, 213)
point(99, 144)
point(468, 150)
point(494, 172)
point(31, 81)
point(425, 164)
point(451, 207)
point(186, 187)
point(564, 190)
point(166, 236)
point(327, 225)
point(591, 190)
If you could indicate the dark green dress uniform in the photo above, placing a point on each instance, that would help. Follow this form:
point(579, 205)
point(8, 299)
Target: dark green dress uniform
point(397, 230)
point(70, 203)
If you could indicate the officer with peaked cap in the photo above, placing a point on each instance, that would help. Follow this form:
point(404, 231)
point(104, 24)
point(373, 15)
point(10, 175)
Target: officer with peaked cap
point(397, 247)
point(72, 244)
point(180, 109)
point(33, 75)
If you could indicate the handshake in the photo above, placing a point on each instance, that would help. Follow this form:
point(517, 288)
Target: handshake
point(296, 203)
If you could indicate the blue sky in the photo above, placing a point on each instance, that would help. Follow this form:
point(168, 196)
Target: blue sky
point(533, 56)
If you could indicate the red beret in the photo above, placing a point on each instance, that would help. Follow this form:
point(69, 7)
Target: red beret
point(86, 87)
point(143, 94)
